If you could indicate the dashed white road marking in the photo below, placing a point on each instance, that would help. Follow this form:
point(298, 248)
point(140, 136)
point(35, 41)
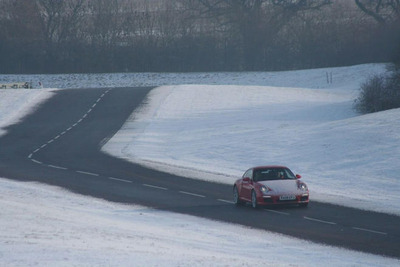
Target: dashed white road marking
point(57, 167)
point(320, 221)
point(156, 187)
point(164, 188)
point(36, 161)
point(278, 212)
point(226, 201)
point(191, 194)
point(88, 173)
point(119, 180)
point(370, 231)
point(64, 132)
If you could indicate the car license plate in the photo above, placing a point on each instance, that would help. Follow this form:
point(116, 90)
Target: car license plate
point(288, 197)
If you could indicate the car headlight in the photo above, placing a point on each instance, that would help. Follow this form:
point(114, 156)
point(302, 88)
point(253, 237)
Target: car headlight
point(264, 189)
point(303, 187)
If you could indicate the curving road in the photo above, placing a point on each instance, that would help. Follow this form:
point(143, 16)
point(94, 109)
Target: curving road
point(59, 144)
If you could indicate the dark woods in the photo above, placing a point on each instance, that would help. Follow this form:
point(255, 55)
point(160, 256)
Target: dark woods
point(54, 36)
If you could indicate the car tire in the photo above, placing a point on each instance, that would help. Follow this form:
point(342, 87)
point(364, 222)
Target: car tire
point(254, 203)
point(236, 199)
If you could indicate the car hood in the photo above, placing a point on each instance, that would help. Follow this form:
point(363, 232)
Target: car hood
point(282, 186)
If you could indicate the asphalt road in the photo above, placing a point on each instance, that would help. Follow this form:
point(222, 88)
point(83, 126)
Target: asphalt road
point(59, 144)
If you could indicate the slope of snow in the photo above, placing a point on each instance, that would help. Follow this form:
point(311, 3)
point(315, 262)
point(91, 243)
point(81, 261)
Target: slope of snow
point(216, 132)
point(316, 78)
point(16, 103)
point(318, 133)
point(44, 225)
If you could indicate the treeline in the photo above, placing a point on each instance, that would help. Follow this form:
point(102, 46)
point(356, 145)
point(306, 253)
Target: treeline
point(53, 36)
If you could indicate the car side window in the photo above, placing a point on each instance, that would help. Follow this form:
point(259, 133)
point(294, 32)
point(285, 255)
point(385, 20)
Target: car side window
point(249, 174)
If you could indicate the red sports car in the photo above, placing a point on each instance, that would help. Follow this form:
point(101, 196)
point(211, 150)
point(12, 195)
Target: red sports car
point(270, 185)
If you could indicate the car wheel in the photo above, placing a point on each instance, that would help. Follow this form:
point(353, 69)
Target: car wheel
point(254, 203)
point(236, 199)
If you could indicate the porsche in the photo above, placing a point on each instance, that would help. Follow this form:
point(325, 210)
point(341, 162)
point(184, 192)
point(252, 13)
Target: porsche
point(270, 185)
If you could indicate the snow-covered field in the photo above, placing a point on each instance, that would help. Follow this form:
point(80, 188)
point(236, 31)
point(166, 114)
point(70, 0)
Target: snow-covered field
point(216, 132)
point(213, 132)
point(316, 79)
point(16, 103)
point(47, 226)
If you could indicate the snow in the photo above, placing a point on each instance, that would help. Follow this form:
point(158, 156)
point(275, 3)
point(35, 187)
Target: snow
point(44, 225)
point(314, 79)
point(216, 132)
point(16, 103)
point(235, 121)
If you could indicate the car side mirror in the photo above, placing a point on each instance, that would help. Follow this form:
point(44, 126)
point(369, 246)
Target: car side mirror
point(246, 179)
point(298, 176)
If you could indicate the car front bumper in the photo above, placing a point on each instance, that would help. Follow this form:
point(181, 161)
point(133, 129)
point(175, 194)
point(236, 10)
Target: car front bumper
point(277, 200)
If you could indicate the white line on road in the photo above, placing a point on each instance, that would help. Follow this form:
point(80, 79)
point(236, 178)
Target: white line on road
point(278, 212)
point(226, 201)
point(119, 180)
point(368, 230)
point(36, 161)
point(57, 167)
point(156, 187)
point(191, 194)
point(317, 220)
point(88, 173)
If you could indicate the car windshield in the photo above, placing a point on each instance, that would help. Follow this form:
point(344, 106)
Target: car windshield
point(269, 174)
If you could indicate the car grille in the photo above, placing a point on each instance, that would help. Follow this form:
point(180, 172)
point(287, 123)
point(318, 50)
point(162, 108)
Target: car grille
point(304, 198)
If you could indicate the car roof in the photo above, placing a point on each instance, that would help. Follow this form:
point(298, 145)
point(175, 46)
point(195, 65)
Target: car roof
point(269, 166)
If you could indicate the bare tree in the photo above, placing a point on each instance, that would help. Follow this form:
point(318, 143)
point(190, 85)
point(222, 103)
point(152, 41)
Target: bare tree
point(383, 11)
point(194, 35)
point(106, 31)
point(257, 22)
point(61, 24)
point(19, 19)
point(61, 20)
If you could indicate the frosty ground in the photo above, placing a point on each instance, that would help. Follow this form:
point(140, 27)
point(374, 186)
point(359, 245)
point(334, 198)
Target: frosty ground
point(234, 122)
point(216, 132)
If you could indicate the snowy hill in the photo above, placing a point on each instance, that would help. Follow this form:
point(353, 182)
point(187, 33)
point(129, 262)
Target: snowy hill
point(213, 132)
point(216, 132)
